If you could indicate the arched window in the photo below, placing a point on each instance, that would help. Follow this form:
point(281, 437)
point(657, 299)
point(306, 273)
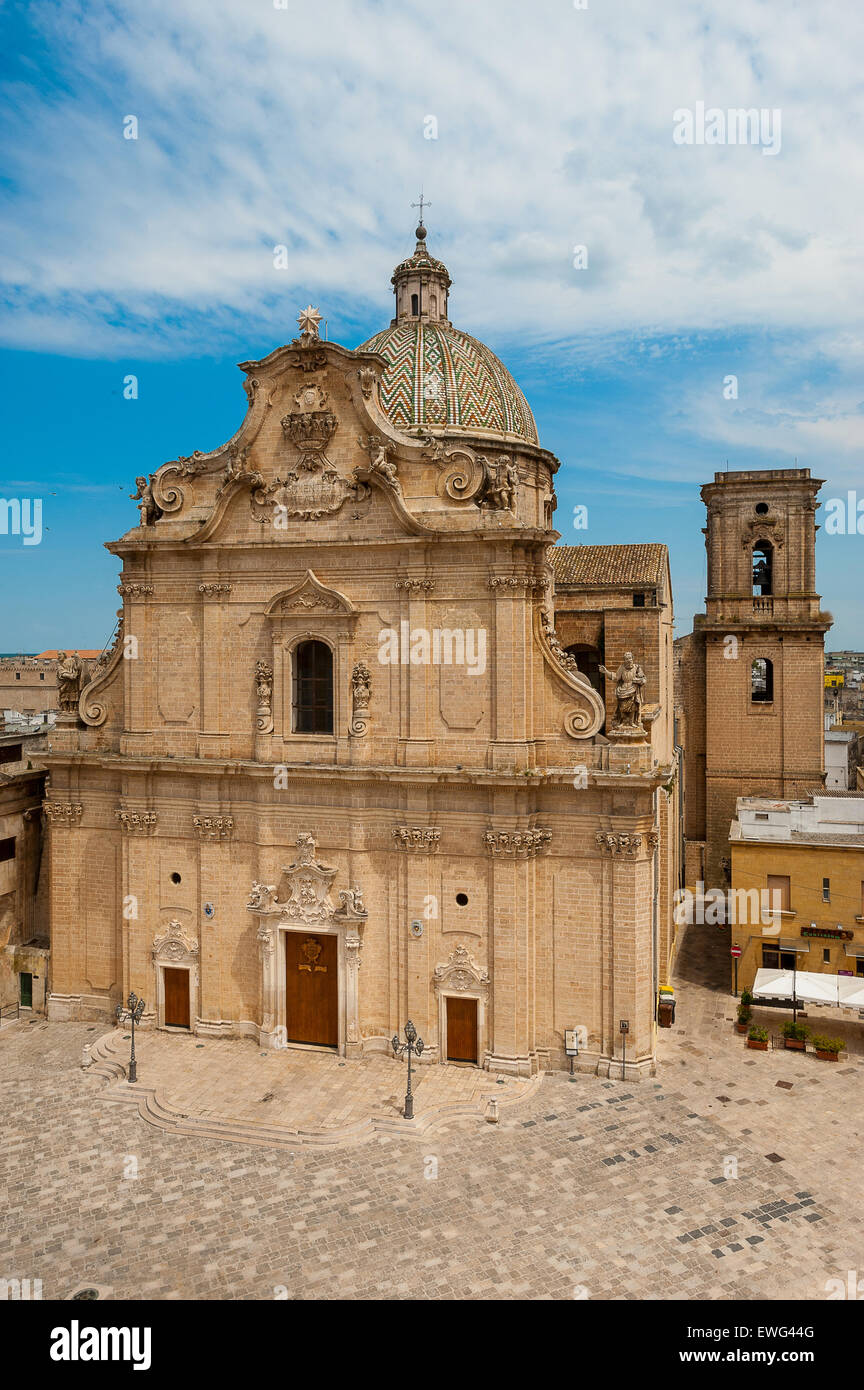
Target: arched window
point(415, 304)
point(313, 688)
point(588, 661)
point(763, 569)
point(762, 681)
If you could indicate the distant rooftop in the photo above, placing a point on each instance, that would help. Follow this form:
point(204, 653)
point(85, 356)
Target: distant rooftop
point(824, 818)
point(609, 566)
point(86, 652)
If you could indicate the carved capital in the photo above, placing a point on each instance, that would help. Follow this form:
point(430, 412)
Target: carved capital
point(416, 839)
point(516, 844)
point(413, 586)
point(214, 827)
point(617, 846)
point(130, 590)
point(137, 822)
point(63, 812)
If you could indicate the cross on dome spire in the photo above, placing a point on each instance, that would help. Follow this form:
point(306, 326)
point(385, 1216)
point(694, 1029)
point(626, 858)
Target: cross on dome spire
point(420, 205)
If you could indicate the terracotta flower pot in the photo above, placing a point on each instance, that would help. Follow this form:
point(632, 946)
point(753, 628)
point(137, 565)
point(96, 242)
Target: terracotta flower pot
point(757, 1044)
point(741, 1027)
point(795, 1044)
point(828, 1056)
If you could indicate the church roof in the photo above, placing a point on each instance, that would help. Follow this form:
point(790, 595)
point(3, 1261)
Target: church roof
point(439, 376)
point(613, 566)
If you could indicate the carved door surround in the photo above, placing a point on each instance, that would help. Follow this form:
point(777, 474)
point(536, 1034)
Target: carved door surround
point(311, 610)
point(461, 977)
point(175, 949)
point(301, 902)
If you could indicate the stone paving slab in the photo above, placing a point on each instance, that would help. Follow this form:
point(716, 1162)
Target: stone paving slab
point(587, 1188)
point(230, 1089)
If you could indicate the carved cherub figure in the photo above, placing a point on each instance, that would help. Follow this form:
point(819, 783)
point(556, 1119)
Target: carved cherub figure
point(149, 508)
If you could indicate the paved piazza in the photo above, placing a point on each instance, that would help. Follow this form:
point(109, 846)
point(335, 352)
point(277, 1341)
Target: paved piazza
point(592, 1188)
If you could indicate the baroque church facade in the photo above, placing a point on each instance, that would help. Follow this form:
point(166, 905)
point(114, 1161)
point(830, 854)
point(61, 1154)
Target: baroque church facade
point(369, 746)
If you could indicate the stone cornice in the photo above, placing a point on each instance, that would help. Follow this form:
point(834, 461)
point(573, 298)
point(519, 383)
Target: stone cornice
point(301, 773)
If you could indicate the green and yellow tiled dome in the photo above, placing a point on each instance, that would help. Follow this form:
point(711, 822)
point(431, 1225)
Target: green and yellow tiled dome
point(437, 376)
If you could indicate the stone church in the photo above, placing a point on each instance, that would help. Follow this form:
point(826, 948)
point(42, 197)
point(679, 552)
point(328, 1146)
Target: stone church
point(369, 746)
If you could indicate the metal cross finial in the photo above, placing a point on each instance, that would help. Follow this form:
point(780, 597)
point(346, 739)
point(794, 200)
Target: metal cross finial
point(421, 206)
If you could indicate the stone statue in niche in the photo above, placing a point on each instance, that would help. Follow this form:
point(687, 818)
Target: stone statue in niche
point(148, 506)
point(70, 670)
point(629, 685)
point(264, 694)
point(361, 691)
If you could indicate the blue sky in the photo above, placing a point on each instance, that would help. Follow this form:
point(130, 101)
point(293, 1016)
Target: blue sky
point(260, 126)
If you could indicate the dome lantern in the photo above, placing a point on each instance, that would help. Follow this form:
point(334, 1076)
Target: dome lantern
point(421, 285)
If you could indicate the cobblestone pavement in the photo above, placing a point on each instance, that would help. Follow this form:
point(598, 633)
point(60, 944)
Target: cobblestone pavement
point(592, 1188)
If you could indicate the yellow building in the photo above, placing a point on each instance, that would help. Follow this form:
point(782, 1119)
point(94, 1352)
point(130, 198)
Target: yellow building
point(797, 897)
point(834, 680)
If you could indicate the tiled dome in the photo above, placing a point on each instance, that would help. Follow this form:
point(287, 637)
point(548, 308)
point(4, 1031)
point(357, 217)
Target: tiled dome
point(439, 376)
point(436, 375)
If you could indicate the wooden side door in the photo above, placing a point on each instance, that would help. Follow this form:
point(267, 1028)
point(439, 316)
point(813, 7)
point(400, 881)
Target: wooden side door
point(311, 989)
point(461, 1029)
point(176, 998)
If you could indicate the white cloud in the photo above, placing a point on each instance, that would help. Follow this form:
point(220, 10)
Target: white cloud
point(305, 127)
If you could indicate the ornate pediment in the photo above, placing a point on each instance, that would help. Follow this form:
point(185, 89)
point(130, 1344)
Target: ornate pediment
point(174, 944)
point(310, 596)
point(461, 973)
point(303, 893)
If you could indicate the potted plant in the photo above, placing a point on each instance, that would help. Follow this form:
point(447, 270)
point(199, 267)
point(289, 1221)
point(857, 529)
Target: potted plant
point(795, 1036)
point(827, 1048)
point(744, 1016)
point(757, 1038)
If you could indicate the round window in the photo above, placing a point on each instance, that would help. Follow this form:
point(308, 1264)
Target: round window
point(761, 508)
point(175, 878)
point(462, 899)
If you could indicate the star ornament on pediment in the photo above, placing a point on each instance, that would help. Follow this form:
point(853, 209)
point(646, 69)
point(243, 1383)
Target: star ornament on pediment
point(309, 319)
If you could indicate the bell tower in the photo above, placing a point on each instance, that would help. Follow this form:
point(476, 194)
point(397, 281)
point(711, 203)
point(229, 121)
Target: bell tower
point(756, 657)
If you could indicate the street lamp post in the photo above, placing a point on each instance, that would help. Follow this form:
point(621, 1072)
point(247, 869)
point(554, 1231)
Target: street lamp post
point(133, 1011)
point(411, 1045)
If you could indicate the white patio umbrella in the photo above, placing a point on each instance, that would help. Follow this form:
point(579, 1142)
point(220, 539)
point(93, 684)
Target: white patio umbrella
point(809, 986)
